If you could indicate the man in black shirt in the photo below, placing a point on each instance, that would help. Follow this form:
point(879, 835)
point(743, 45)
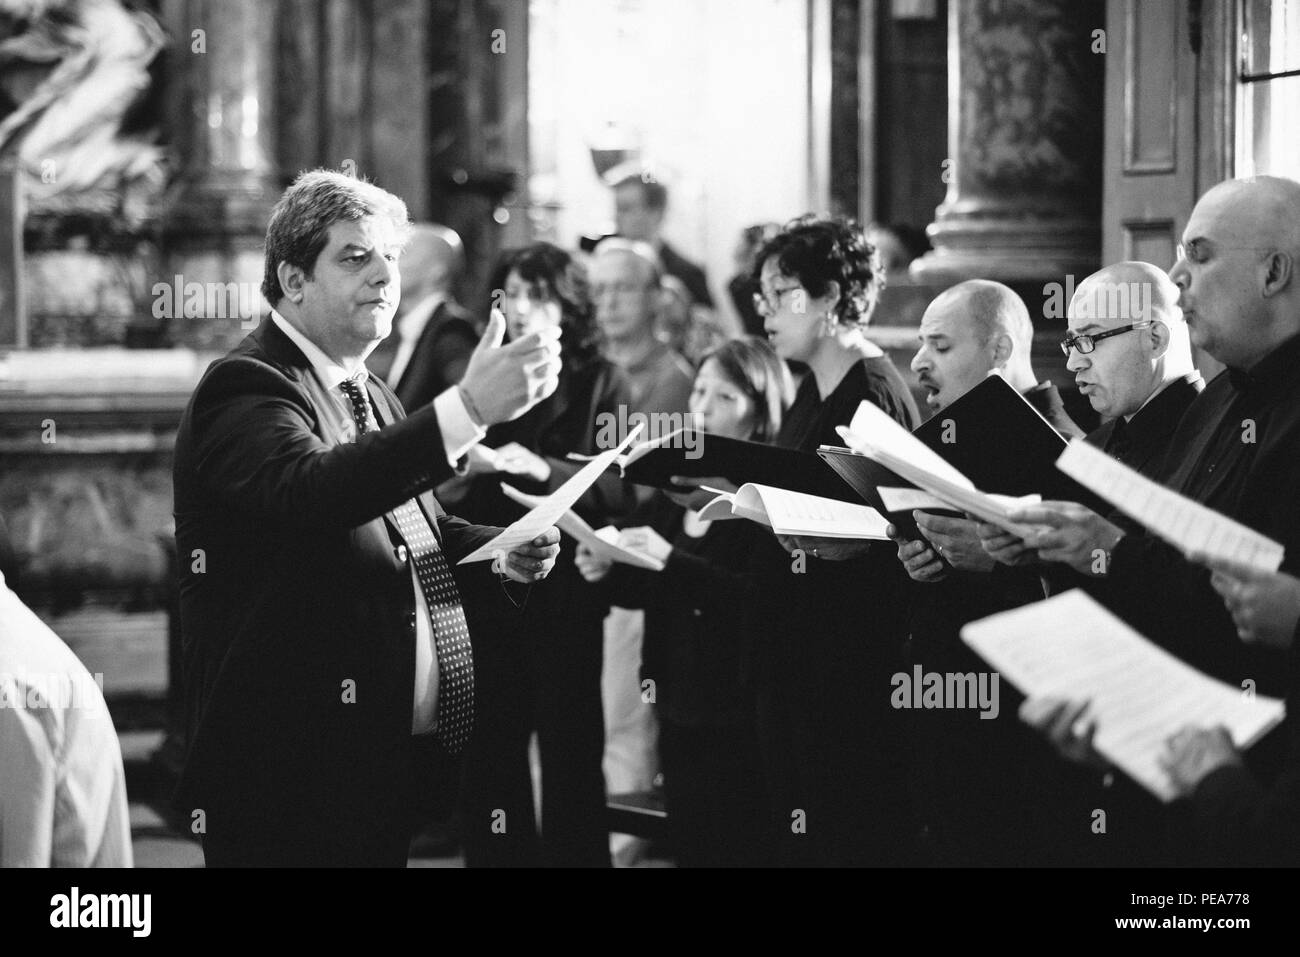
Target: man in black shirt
point(966, 790)
point(1129, 350)
point(1237, 450)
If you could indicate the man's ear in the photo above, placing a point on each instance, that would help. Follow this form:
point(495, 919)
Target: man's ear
point(1279, 269)
point(292, 279)
point(1002, 349)
point(1159, 333)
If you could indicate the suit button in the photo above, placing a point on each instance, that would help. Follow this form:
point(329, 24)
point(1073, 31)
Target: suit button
point(400, 552)
point(696, 612)
point(410, 620)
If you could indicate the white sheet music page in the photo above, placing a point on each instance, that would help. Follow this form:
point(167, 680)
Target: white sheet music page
point(1069, 646)
point(797, 513)
point(550, 507)
point(1186, 524)
point(603, 542)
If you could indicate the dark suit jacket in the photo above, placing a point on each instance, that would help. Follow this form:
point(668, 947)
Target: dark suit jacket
point(439, 359)
point(691, 275)
point(297, 616)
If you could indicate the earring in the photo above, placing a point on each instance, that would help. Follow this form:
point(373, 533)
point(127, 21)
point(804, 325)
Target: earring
point(828, 324)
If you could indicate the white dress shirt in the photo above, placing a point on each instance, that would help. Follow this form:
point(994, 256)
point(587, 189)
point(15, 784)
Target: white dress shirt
point(331, 374)
point(62, 786)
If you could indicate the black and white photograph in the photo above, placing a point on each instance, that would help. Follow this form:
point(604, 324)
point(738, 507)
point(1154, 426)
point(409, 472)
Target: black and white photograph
point(662, 434)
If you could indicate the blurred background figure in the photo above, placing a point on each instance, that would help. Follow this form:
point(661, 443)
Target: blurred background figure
point(538, 667)
point(687, 328)
point(433, 335)
point(62, 785)
point(640, 203)
point(898, 244)
point(743, 286)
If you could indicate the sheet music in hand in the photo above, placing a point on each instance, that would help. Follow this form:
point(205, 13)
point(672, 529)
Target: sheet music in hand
point(604, 542)
point(1069, 646)
point(1186, 524)
point(873, 433)
point(550, 507)
point(795, 513)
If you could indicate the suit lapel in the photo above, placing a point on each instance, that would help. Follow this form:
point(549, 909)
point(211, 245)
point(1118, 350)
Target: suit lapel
point(333, 425)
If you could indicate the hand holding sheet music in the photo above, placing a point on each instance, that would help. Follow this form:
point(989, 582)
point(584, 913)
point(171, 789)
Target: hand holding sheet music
point(1069, 646)
point(1184, 523)
point(873, 433)
point(549, 509)
point(602, 542)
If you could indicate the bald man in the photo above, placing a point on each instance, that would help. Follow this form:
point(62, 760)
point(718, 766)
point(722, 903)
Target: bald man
point(1237, 450)
point(967, 789)
point(1131, 356)
point(433, 336)
point(975, 328)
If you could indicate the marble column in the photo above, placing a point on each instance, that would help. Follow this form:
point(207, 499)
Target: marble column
point(215, 221)
point(1025, 113)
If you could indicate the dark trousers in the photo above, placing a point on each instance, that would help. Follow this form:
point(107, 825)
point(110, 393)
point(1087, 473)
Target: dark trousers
point(288, 837)
point(540, 672)
point(717, 803)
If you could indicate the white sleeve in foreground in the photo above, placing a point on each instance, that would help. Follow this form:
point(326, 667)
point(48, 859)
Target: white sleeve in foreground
point(459, 433)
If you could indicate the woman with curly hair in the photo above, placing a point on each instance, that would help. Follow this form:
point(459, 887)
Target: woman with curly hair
point(830, 632)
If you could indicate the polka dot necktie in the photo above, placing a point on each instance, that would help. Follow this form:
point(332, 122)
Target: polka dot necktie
point(450, 631)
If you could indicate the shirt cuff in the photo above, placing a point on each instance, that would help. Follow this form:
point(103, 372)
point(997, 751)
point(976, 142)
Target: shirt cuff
point(459, 433)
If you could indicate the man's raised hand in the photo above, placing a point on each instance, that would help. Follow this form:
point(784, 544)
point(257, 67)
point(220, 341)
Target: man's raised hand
point(502, 382)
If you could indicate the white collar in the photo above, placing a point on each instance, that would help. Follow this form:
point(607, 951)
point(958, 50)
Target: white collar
point(329, 372)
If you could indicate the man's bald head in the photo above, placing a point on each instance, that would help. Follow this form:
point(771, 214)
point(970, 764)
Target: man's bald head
point(434, 256)
point(992, 309)
point(1238, 269)
point(968, 331)
point(1262, 211)
point(1126, 368)
point(1126, 292)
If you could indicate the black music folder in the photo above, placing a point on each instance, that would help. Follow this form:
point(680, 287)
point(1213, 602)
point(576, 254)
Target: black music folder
point(993, 436)
point(698, 454)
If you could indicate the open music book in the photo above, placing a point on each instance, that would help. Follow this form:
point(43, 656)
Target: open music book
point(1186, 524)
point(1069, 646)
point(794, 513)
point(604, 542)
point(698, 454)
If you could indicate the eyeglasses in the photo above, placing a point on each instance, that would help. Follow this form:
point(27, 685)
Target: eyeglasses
point(1198, 250)
point(767, 302)
point(1086, 343)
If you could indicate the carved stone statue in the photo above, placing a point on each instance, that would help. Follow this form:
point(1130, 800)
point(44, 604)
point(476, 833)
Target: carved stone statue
point(75, 70)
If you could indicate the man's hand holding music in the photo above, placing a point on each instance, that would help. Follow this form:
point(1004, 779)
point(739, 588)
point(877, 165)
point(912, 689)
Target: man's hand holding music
point(533, 561)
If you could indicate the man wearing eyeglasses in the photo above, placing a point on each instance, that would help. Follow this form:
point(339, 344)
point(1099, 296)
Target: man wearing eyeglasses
point(1237, 450)
point(1129, 350)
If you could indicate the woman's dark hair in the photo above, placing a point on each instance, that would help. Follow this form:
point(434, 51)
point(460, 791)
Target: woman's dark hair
point(564, 279)
point(819, 251)
point(753, 366)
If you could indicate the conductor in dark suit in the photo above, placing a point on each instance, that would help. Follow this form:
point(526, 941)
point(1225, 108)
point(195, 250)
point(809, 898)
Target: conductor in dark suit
point(328, 663)
point(433, 335)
